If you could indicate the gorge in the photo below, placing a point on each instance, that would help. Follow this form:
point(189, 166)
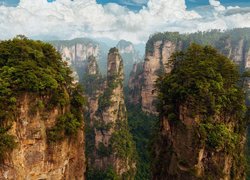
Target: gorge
point(156, 118)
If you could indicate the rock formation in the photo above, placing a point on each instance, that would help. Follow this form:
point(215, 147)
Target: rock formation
point(36, 158)
point(155, 64)
point(113, 144)
point(233, 44)
point(93, 84)
point(77, 51)
point(134, 84)
point(129, 56)
point(41, 114)
point(201, 135)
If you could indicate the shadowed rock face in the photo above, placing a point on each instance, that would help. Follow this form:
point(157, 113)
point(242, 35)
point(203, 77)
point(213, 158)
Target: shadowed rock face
point(35, 157)
point(134, 84)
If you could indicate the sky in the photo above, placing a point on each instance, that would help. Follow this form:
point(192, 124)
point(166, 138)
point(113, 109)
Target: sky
point(133, 20)
point(137, 4)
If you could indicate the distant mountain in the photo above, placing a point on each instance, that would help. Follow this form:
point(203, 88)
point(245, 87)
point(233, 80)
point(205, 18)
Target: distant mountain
point(77, 51)
point(130, 56)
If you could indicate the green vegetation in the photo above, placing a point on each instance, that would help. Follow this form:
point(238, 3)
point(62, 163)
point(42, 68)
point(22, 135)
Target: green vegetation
point(34, 67)
point(103, 151)
point(219, 136)
point(141, 127)
point(207, 84)
point(96, 174)
point(105, 99)
point(7, 143)
point(66, 124)
point(123, 146)
point(122, 143)
point(91, 81)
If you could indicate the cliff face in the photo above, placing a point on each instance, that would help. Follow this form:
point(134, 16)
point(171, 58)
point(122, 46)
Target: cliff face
point(77, 51)
point(236, 50)
point(35, 157)
point(186, 157)
point(41, 114)
point(155, 64)
point(199, 136)
point(234, 45)
point(129, 56)
point(93, 84)
point(111, 133)
point(134, 84)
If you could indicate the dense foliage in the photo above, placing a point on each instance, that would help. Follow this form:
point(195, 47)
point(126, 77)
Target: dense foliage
point(34, 67)
point(141, 127)
point(96, 174)
point(207, 84)
point(205, 81)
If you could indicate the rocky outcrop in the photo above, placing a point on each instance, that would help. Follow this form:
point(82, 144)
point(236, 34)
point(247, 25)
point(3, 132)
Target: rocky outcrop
point(77, 51)
point(110, 123)
point(155, 64)
point(134, 84)
point(199, 135)
point(187, 158)
point(41, 114)
point(92, 66)
point(35, 157)
point(93, 84)
point(129, 56)
point(247, 59)
point(233, 44)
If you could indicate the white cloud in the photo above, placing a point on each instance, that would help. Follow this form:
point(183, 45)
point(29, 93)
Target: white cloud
point(217, 5)
point(67, 19)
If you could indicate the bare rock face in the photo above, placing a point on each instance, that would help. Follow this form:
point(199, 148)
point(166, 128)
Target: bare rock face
point(134, 84)
point(93, 84)
point(247, 61)
point(110, 121)
point(125, 47)
point(77, 50)
point(35, 157)
point(187, 158)
point(129, 56)
point(155, 63)
point(92, 66)
point(237, 50)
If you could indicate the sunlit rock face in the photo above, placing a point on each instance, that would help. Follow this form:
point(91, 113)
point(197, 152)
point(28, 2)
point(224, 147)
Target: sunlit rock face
point(35, 157)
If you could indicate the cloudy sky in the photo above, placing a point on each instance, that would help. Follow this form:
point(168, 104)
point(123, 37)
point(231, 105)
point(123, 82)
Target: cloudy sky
point(133, 20)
